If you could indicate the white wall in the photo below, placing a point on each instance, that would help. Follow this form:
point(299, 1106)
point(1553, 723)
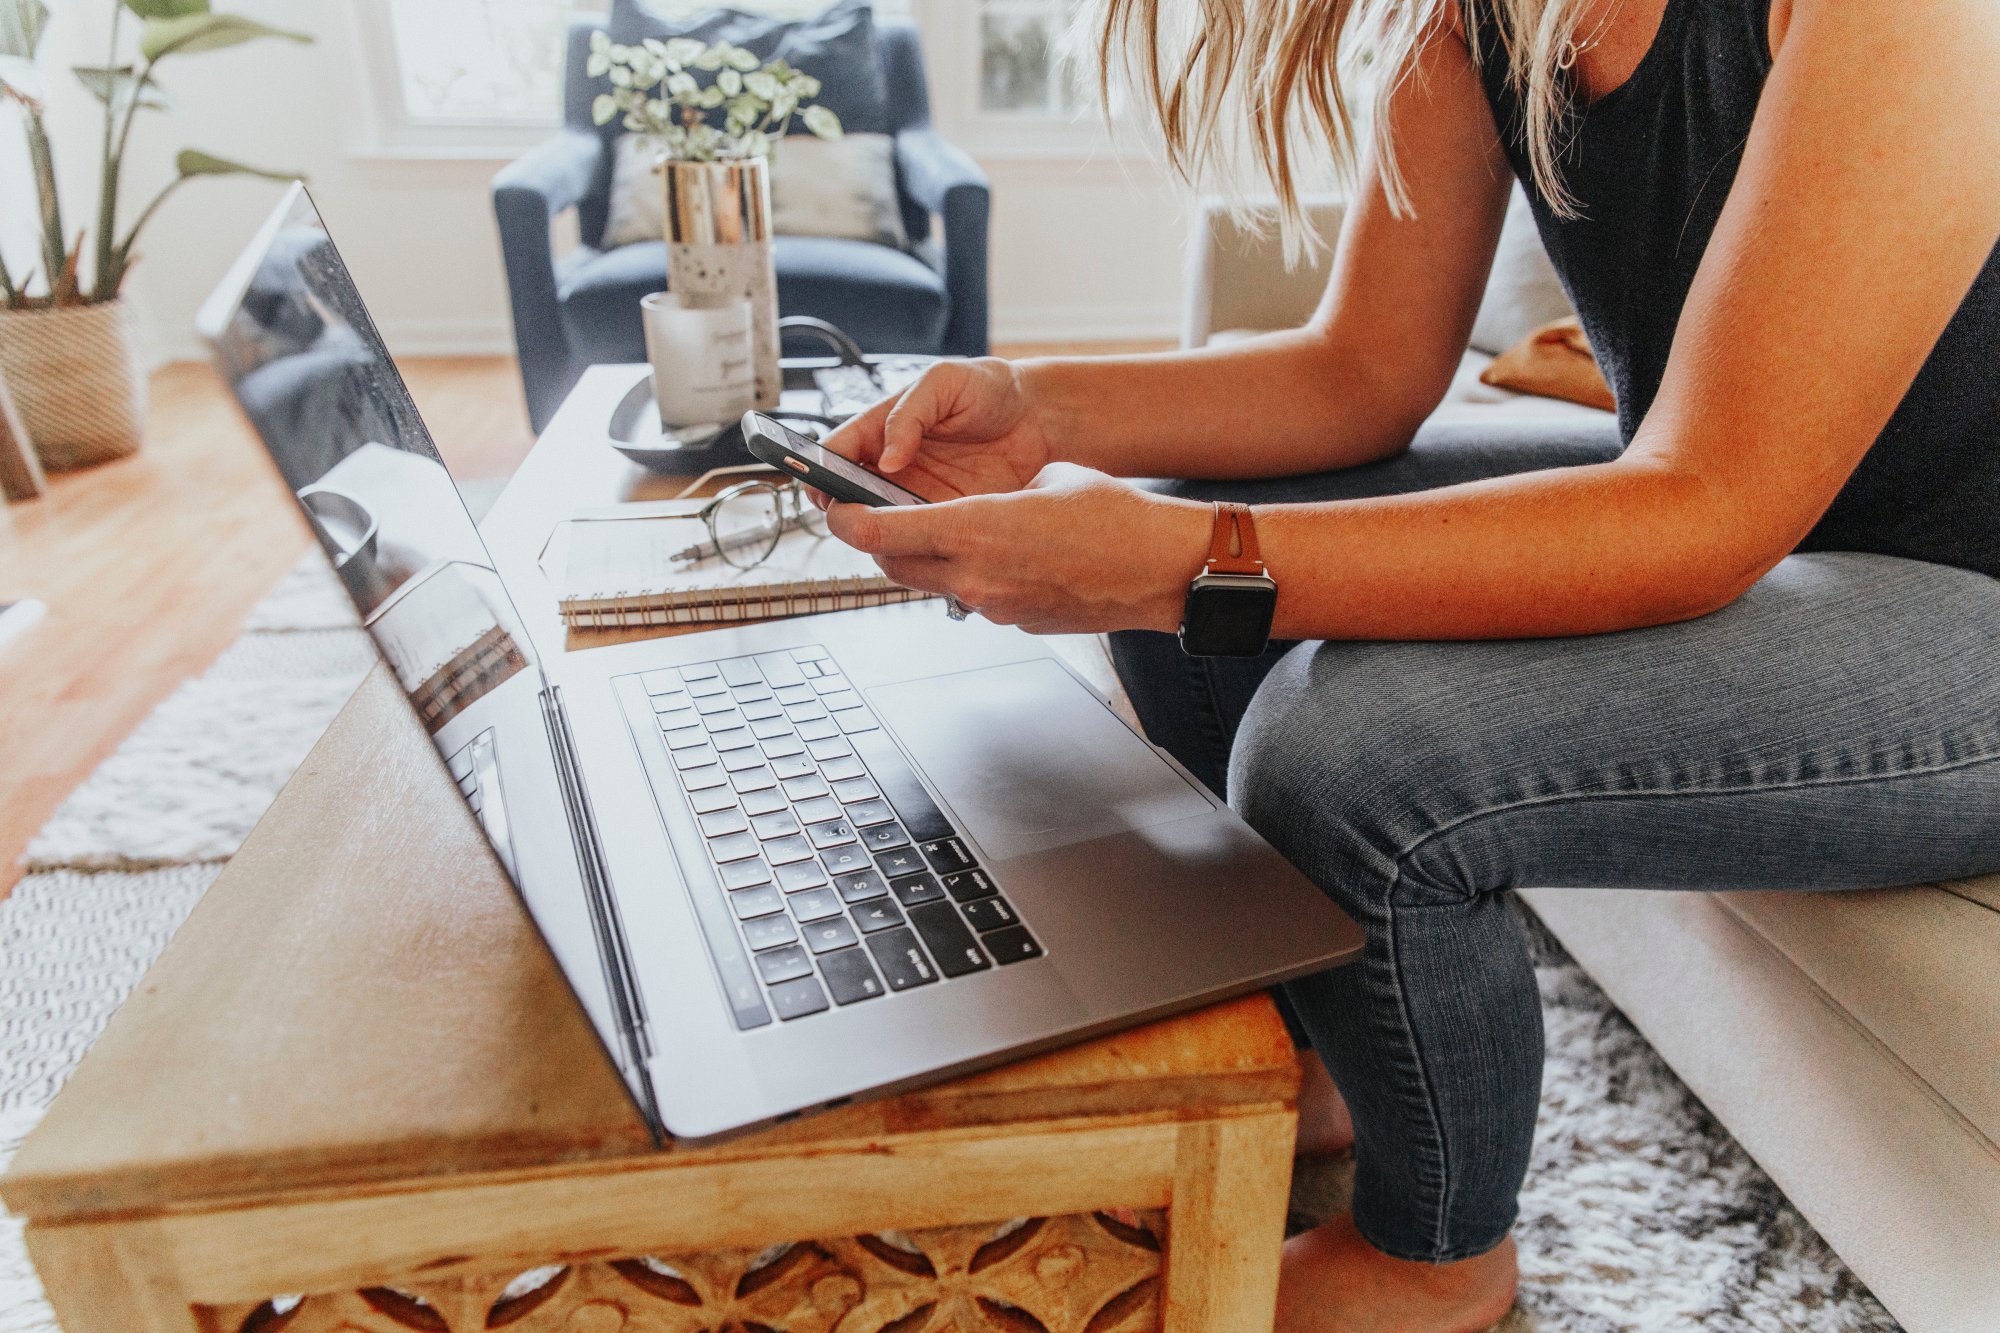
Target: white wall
point(1080, 249)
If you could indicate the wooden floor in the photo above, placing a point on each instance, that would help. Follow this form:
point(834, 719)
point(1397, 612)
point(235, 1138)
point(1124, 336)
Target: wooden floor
point(149, 565)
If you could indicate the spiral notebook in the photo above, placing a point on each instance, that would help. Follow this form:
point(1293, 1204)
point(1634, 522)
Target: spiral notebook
point(618, 572)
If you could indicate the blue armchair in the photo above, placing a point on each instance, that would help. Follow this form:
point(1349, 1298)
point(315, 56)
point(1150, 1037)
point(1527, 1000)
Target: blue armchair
point(583, 309)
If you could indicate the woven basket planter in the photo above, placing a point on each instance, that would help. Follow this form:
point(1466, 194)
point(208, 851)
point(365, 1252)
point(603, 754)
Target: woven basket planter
point(77, 381)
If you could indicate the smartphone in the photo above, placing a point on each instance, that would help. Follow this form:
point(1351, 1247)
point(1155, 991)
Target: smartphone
point(777, 444)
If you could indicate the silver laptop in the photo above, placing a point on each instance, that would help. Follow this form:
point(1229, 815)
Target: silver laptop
point(781, 865)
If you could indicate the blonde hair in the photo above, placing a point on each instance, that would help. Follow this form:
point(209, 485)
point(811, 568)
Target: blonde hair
point(1244, 82)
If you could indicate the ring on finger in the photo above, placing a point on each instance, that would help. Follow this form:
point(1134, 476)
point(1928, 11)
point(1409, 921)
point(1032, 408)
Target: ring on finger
point(956, 609)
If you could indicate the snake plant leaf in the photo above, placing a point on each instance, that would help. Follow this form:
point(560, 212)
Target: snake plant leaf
point(206, 32)
point(22, 23)
point(166, 9)
point(193, 162)
point(114, 86)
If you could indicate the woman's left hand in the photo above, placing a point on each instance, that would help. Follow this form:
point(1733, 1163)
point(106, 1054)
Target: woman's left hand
point(1074, 553)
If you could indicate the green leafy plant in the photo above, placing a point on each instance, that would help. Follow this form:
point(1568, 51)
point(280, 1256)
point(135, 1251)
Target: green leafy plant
point(657, 87)
point(126, 86)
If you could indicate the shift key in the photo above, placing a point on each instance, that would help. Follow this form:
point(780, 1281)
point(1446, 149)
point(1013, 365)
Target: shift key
point(901, 959)
point(957, 953)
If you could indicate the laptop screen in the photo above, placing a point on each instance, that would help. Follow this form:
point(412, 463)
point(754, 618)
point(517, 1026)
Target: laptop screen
point(296, 344)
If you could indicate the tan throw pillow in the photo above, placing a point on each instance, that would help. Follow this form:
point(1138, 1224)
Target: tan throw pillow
point(1555, 362)
point(845, 188)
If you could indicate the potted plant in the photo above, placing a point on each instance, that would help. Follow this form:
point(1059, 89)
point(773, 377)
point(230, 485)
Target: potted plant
point(67, 349)
point(716, 172)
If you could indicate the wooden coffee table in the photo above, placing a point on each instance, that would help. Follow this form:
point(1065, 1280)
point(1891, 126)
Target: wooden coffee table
point(355, 1082)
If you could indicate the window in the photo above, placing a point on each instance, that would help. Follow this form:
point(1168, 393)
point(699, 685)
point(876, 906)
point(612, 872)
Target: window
point(1021, 72)
point(478, 62)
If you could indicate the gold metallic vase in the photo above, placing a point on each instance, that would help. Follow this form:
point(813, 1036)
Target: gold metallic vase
point(718, 237)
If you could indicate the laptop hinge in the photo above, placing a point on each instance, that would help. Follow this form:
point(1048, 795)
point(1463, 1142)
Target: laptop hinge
point(619, 975)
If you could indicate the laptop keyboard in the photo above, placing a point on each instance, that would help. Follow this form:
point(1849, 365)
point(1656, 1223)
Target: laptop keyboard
point(836, 878)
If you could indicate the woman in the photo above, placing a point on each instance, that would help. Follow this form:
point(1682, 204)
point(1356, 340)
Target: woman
point(1747, 641)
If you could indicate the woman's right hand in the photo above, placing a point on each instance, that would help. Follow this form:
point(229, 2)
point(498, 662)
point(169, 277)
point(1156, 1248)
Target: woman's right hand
point(964, 428)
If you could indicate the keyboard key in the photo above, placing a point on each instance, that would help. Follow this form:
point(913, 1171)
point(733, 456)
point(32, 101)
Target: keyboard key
point(792, 766)
point(847, 858)
point(850, 976)
point(763, 802)
point(861, 886)
point(804, 789)
point(814, 905)
point(738, 761)
point(902, 861)
point(812, 652)
point(724, 720)
point(783, 851)
point(796, 875)
point(834, 833)
point(701, 690)
point(885, 837)
point(770, 728)
point(818, 730)
point(947, 855)
point(686, 738)
point(661, 682)
point(694, 756)
point(760, 901)
point(837, 699)
point(812, 669)
point(803, 713)
point(832, 748)
point(862, 814)
point(913, 889)
point(701, 779)
point(900, 784)
point(782, 964)
point(750, 694)
point(753, 779)
point(901, 959)
point(985, 914)
point(762, 709)
point(780, 670)
point(745, 874)
point(1012, 945)
point(711, 800)
point(796, 999)
point(861, 789)
point(958, 954)
point(794, 694)
point(699, 671)
point(740, 671)
point(818, 809)
point(720, 822)
point(768, 932)
point(855, 721)
point(735, 738)
point(844, 768)
point(732, 847)
point(881, 914)
point(830, 934)
point(967, 885)
point(780, 823)
point(783, 747)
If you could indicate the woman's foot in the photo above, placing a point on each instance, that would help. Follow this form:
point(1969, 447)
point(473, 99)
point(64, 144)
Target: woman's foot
point(1333, 1281)
point(1324, 1125)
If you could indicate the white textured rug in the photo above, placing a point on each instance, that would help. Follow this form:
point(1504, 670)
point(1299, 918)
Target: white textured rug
point(1640, 1211)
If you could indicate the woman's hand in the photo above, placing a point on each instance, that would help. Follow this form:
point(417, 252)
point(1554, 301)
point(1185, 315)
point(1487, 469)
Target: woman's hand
point(1075, 552)
point(964, 428)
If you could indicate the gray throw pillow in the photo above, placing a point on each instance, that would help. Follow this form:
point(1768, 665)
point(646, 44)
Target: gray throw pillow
point(1523, 292)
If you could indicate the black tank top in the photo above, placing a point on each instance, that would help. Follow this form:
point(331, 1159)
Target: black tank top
point(1651, 163)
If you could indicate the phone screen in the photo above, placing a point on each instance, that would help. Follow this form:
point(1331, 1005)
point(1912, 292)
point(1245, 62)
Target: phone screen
point(843, 467)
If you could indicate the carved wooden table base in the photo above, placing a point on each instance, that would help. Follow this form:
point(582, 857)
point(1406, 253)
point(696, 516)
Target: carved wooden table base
point(1082, 1273)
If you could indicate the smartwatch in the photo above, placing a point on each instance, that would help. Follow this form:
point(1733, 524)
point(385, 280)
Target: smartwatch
point(1231, 602)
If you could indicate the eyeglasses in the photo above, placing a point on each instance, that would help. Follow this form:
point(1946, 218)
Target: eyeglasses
point(745, 522)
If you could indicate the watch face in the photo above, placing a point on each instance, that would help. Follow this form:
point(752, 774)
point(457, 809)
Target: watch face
point(1228, 615)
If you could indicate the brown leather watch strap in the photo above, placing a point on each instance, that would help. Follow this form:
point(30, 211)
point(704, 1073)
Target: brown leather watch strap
point(1233, 549)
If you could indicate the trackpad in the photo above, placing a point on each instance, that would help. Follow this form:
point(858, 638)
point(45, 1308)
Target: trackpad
point(1029, 759)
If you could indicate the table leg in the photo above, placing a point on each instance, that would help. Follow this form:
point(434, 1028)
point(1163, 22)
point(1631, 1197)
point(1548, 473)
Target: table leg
point(1226, 1224)
point(99, 1278)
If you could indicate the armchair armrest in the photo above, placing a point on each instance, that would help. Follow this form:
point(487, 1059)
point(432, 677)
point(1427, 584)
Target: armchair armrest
point(941, 178)
point(527, 195)
point(1238, 278)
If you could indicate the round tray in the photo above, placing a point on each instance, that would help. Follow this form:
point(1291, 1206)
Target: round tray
point(636, 432)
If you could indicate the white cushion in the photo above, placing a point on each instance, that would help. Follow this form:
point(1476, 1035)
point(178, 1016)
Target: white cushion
point(844, 188)
point(1523, 292)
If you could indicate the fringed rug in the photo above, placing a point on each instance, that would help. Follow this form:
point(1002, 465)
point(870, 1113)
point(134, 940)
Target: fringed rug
point(1640, 1211)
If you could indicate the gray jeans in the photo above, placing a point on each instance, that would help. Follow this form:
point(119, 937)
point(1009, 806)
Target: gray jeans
point(1837, 727)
